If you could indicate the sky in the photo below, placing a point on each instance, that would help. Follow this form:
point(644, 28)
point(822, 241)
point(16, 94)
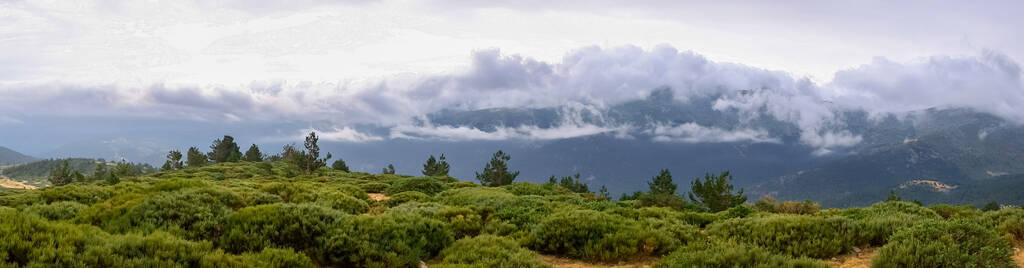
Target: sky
point(388, 62)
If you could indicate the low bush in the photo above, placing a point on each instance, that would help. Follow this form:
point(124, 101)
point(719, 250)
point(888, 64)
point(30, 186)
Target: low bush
point(426, 185)
point(938, 243)
point(407, 196)
point(61, 210)
point(374, 187)
point(390, 240)
point(600, 236)
point(795, 235)
point(488, 251)
point(769, 204)
point(1009, 222)
point(342, 202)
point(297, 226)
point(529, 188)
point(730, 254)
point(955, 212)
point(881, 220)
point(192, 213)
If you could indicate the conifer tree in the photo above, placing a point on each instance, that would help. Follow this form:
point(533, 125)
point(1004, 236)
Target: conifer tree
point(253, 154)
point(436, 167)
point(388, 170)
point(173, 161)
point(662, 184)
point(62, 174)
point(603, 192)
point(340, 165)
point(100, 173)
point(496, 171)
point(715, 192)
point(310, 159)
point(225, 150)
point(196, 158)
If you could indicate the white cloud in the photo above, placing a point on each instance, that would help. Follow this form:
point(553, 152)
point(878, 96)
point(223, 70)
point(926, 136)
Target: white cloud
point(7, 120)
point(526, 132)
point(343, 134)
point(694, 133)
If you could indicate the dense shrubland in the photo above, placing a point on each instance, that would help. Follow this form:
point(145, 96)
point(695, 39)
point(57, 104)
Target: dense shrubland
point(279, 214)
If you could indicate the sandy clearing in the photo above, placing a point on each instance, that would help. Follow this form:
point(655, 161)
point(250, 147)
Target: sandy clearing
point(559, 262)
point(9, 183)
point(860, 259)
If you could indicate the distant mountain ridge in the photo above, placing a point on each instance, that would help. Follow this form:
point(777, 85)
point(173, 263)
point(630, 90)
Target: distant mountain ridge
point(8, 156)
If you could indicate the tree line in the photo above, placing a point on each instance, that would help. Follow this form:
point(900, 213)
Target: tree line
point(714, 193)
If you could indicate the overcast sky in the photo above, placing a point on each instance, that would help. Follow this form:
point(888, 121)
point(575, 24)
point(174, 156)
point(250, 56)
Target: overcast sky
point(386, 61)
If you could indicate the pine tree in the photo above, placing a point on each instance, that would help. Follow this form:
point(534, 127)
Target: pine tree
point(100, 173)
point(662, 184)
point(62, 174)
point(310, 159)
point(340, 165)
point(603, 192)
point(893, 196)
point(388, 170)
point(225, 150)
point(572, 183)
point(715, 192)
point(196, 158)
point(436, 167)
point(496, 172)
point(173, 161)
point(991, 206)
point(253, 154)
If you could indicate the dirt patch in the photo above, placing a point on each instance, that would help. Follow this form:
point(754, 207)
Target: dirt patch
point(559, 262)
point(379, 197)
point(860, 258)
point(12, 184)
point(1018, 257)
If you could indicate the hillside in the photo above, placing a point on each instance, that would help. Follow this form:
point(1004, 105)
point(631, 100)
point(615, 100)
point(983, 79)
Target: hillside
point(269, 214)
point(8, 157)
point(37, 173)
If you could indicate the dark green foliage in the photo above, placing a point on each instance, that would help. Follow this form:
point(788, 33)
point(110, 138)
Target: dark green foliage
point(496, 171)
point(390, 240)
point(956, 212)
point(768, 204)
point(436, 167)
point(662, 184)
point(715, 192)
point(61, 210)
point(426, 185)
point(599, 236)
point(374, 187)
point(309, 160)
point(603, 192)
point(225, 150)
point(62, 174)
point(340, 165)
point(945, 244)
point(893, 196)
point(32, 242)
point(195, 158)
point(488, 251)
point(388, 170)
point(407, 196)
point(990, 206)
point(730, 254)
point(173, 161)
point(253, 154)
point(297, 226)
point(1009, 222)
point(529, 188)
point(794, 235)
point(881, 220)
point(572, 183)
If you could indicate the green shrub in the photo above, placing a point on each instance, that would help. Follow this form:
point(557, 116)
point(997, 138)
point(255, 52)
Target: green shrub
point(342, 202)
point(462, 222)
point(529, 188)
point(374, 187)
point(390, 240)
point(768, 204)
point(407, 196)
point(426, 185)
point(795, 235)
point(600, 236)
point(729, 254)
point(192, 213)
point(945, 244)
point(31, 242)
point(296, 226)
point(499, 207)
point(955, 212)
point(488, 251)
point(881, 220)
point(352, 190)
point(1009, 222)
point(61, 210)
